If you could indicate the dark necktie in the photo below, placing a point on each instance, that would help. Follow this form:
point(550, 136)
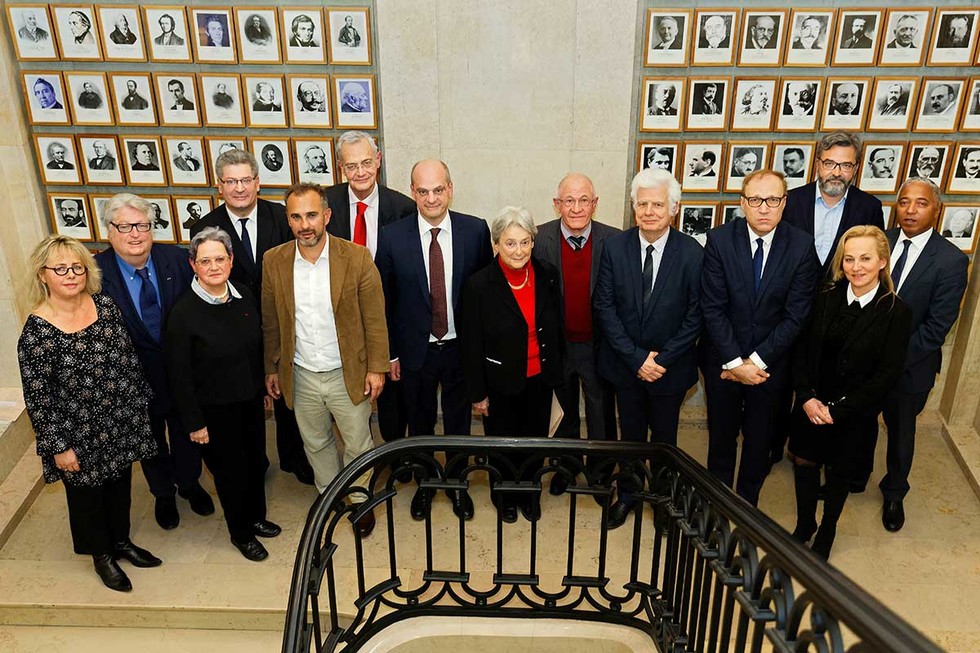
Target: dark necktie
point(576, 242)
point(247, 241)
point(900, 264)
point(757, 263)
point(360, 225)
point(149, 305)
point(437, 287)
point(648, 275)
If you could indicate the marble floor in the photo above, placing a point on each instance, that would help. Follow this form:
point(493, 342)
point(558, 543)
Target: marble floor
point(207, 597)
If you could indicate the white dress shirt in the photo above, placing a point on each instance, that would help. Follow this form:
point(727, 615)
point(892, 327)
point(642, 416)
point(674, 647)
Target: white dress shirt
point(251, 225)
point(766, 246)
point(915, 249)
point(317, 347)
point(370, 217)
point(864, 299)
point(445, 239)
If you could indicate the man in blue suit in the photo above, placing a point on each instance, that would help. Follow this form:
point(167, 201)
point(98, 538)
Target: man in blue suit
point(145, 281)
point(424, 262)
point(647, 302)
point(757, 285)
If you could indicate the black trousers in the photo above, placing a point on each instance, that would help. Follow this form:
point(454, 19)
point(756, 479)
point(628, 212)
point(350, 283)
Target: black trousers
point(234, 454)
point(648, 417)
point(901, 410)
point(289, 444)
point(600, 414)
point(99, 516)
point(442, 368)
point(177, 464)
point(392, 412)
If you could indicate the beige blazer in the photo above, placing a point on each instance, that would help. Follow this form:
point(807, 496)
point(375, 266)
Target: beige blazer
point(358, 307)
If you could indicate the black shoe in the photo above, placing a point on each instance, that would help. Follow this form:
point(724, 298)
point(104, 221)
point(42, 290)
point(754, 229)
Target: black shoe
point(166, 513)
point(821, 493)
point(531, 508)
point(112, 576)
point(252, 549)
point(803, 534)
point(508, 513)
point(857, 487)
point(421, 503)
point(137, 556)
point(462, 504)
point(200, 500)
point(618, 513)
point(266, 528)
point(558, 485)
point(775, 457)
point(893, 515)
point(402, 473)
point(305, 476)
point(366, 524)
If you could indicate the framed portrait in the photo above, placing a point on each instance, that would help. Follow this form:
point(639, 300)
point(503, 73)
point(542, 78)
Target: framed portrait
point(971, 112)
point(70, 216)
point(663, 104)
point(222, 100)
point(939, 106)
point(847, 103)
point(166, 33)
point(795, 160)
point(906, 30)
point(132, 96)
point(275, 168)
point(763, 33)
point(309, 100)
point(302, 33)
point(893, 103)
point(744, 157)
point(966, 169)
point(98, 203)
point(858, 36)
point(142, 155)
point(958, 225)
point(185, 160)
point(30, 26)
point(659, 154)
point(46, 102)
point(810, 34)
point(177, 99)
point(714, 40)
point(752, 106)
point(696, 219)
point(955, 37)
point(349, 41)
point(122, 32)
point(264, 96)
point(89, 96)
point(214, 38)
point(78, 39)
point(799, 104)
point(707, 104)
point(161, 218)
point(57, 160)
point(188, 210)
point(668, 37)
point(217, 146)
point(881, 166)
point(100, 160)
point(702, 162)
point(731, 211)
point(258, 35)
point(315, 161)
point(888, 213)
point(928, 160)
point(356, 102)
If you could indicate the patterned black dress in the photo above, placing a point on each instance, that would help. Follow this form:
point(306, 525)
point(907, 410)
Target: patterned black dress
point(86, 391)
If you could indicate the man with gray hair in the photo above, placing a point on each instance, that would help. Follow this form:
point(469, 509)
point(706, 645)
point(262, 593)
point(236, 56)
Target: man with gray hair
point(145, 280)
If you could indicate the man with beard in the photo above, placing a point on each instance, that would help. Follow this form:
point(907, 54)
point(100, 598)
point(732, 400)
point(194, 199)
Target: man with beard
point(310, 97)
point(316, 160)
point(882, 163)
point(72, 214)
point(895, 102)
point(714, 34)
point(193, 215)
point(927, 163)
point(133, 100)
point(954, 32)
point(761, 34)
point(856, 38)
point(705, 105)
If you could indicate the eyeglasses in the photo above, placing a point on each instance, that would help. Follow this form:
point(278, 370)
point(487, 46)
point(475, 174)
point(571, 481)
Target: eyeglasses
point(208, 262)
point(438, 191)
point(126, 227)
point(367, 164)
point(569, 202)
point(771, 202)
point(61, 270)
point(244, 181)
point(829, 165)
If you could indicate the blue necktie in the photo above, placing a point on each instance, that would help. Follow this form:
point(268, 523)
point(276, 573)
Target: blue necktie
point(149, 305)
point(900, 264)
point(757, 263)
point(246, 240)
point(648, 275)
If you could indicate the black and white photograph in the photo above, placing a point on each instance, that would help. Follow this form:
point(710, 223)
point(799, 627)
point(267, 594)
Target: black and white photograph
point(696, 219)
point(78, 38)
point(939, 106)
point(893, 104)
point(69, 215)
point(45, 93)
point(355, 99)
point(715, 37)
point(264, 96)
point(858, 35)
point(309, 100)
point(731, 211)
point(799, 104)
point(98, 203)
point(90, 101)
point(258, 35)
point(954, 38)
point(275, 169)
point(887, 210)
point(213, 37)
point(218, 145)
point(122, 32)
point(658, 155)
point(811, 31)
point(144, 167)
point(958, 225)
point(845, 106)
point(222, 100)
point(31, 28)
point(763, 34)
point(966, 169)
point(166, 33)
point(905, 32)
point(315, 161)
point(752, 106)
point(703, 161)
point(162, 219)
point(57, 160)
point(132, 96)
point(928, 160)
point(302, 35)
point(177, 99)
point(708, 104)
point(663, 103)
point(971, 112)
point(100, 160)
point(795, 160)
point(881, 167)
point(185, 160)
point(743, 158)
point(668, 37)
point(349, 36)
point(188, 211)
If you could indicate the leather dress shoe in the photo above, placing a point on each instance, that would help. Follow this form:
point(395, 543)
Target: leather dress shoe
point(558, 485)
point(365, 524)
point(462, 504)
point(266, 528)
point(112, 576)
point(137, 556)
point(305, 476)
point(508, 513)
point(531, 508)
point(618, 513)
point(402, 473)
point(201, 502)
point(421, 503)
point(166, 513)
point(252, 549)
point(893, 515)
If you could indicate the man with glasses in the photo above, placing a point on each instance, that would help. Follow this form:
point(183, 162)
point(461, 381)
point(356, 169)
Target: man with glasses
point(145, 279)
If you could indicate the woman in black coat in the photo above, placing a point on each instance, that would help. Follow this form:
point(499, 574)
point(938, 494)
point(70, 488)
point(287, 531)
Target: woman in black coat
point(849, 357)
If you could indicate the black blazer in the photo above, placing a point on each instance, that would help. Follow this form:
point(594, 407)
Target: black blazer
point(671, 323)
point(547, 247)
point(494, 333)
point(406, 286)
point(933, 289)
point(392, 206)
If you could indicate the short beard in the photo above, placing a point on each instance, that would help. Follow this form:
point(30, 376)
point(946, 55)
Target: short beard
point(833, 187)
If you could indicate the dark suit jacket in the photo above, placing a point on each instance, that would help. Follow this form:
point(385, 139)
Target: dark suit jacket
point(859, 42)
point(392, 206)
point(933, 289)
point(174, 276)
point(547, 247)
point(406, 286)
point(671, 323)
point(106, 163)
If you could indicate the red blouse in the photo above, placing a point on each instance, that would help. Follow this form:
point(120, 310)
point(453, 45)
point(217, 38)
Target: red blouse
point(522, 285)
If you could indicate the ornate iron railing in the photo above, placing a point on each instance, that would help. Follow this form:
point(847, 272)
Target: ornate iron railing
point(695, 567)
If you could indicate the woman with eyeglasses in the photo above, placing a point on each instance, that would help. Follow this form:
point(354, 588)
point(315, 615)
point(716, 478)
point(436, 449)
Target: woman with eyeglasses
point(87, 401)
point(213, 346)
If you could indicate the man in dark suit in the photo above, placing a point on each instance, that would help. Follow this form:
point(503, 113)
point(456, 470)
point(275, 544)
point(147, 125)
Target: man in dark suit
point(424, 263)
point(102, 159)
point(762, 33)
point(360, 208)
point(856, 38)
point(145, 280)
point(668, 34)
point(647, 301)
point(757, 285)
point(929, 274)
point(255, 226)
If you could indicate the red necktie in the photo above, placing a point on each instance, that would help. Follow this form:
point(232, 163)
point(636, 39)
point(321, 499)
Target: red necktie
point(437, 288)
point(360, 225)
